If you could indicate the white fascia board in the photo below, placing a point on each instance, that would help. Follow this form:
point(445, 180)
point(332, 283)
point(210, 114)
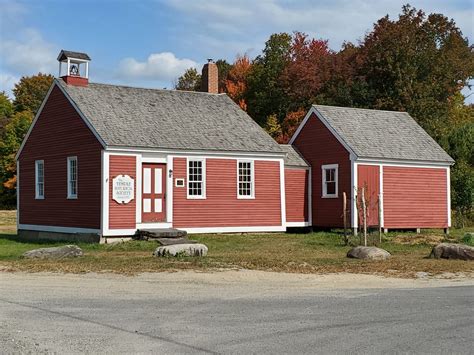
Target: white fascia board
point(321, 117)
point(300, 127)
point(203, 153)
point(84, 118)
point(403, 163)
point(35, 119)
point(89, 125)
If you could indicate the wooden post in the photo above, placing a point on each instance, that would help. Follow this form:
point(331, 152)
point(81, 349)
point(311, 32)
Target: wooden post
point(344, 216)
point(364, 216)
point(380, 221)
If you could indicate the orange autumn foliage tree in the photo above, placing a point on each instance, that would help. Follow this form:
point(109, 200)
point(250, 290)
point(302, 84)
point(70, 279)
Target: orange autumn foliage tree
point(290, 124)
point(236, 83)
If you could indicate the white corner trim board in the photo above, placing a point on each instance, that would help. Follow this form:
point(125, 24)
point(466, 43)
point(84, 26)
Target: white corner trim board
point(324, 121)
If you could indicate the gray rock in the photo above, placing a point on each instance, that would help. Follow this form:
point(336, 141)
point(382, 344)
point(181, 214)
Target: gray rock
point(66, 251)
point(181, 250)
point(369, 253)
point(452, 251)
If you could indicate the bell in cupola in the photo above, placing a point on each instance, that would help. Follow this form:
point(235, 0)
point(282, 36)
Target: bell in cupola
point(74, 67)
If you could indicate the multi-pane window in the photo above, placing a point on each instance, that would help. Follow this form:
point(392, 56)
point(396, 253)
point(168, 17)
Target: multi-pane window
point(72, 177)
point(245, 183)
point(196, 178)
point(330, 176)
point(39, 179)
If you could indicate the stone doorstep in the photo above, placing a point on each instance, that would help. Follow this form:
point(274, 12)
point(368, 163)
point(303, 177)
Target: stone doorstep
point(160, 233)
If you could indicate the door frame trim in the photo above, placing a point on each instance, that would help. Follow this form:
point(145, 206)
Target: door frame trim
point(165, 180)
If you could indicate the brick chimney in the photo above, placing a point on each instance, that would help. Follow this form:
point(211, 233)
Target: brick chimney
point(210, 77)
point(74, 67)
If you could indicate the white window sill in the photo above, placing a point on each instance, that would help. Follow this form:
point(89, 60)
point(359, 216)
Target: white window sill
point(246, 197)
point(72, 197)
point(196, 197)
point(330, 196)
point(39, 198)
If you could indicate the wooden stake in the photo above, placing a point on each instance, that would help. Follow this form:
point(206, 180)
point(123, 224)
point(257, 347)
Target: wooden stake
point(364, 216)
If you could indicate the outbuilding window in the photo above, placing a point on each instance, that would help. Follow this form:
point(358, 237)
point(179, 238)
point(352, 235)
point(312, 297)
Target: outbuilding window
point(39, 179)
point(196, 178)
point(72, 177)
point(245, 183)
point(330, 180)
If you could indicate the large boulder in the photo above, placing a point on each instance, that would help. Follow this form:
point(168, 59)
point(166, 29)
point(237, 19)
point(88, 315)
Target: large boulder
point(66, 251)
point(452, 251)
point(181, 250)
point(369, 253)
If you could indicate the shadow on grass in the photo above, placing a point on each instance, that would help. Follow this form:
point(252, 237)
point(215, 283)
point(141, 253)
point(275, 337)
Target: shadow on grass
point(15, 238)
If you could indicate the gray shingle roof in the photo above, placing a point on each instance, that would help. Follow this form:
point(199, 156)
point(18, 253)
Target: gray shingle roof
point(293, 156)
point(169, 119)
point(70, 54)
point(383, 134)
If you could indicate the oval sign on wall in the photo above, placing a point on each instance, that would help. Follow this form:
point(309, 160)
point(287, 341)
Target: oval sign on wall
point(123, 188)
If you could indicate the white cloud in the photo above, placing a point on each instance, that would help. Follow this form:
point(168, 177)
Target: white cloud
point(7, 81)
point(336, 20)
point(29, 53)
point(158, 66)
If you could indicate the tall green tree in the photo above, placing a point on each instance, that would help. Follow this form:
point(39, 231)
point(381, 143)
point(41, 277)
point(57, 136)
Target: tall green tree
point(6, 110)
point(223, 68)
point(11, 139)
point(416, 63)
point(30, 92)
point(189, 81)
point(265, 94)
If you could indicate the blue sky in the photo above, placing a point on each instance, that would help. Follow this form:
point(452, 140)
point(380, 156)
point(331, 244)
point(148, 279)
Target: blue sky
point(151, 42)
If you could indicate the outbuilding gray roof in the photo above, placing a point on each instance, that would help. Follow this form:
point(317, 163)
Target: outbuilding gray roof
point(169, 119)
point(383, 134)
point(293, 156)
point(70, 54)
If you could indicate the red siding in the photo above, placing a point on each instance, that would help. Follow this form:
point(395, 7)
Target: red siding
point(296, 192)
point(319, 147)
point(58, 133)
point(415, 197)
point(368, 177)
point(221, 208)
point(122, 216)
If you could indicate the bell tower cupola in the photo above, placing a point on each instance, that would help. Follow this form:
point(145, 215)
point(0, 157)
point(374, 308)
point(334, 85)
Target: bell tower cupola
point(74, 67)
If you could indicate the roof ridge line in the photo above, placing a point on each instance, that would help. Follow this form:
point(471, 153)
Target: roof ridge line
point(154, 89)
point(360, 108)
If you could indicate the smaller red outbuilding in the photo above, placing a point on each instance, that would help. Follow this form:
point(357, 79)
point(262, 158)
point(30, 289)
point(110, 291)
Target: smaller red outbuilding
point(405, 174)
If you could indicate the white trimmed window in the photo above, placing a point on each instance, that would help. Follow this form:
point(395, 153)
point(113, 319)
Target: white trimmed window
point(39, 179)
point(245, 182)
point(72, 177)
point(196, 178)
point(330, 180)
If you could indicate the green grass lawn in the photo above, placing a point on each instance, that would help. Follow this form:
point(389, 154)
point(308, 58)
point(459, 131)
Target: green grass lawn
point(317, 252)
point(304, 253)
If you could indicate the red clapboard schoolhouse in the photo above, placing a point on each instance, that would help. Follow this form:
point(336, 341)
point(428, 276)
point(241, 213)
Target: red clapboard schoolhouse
point(102, 161)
